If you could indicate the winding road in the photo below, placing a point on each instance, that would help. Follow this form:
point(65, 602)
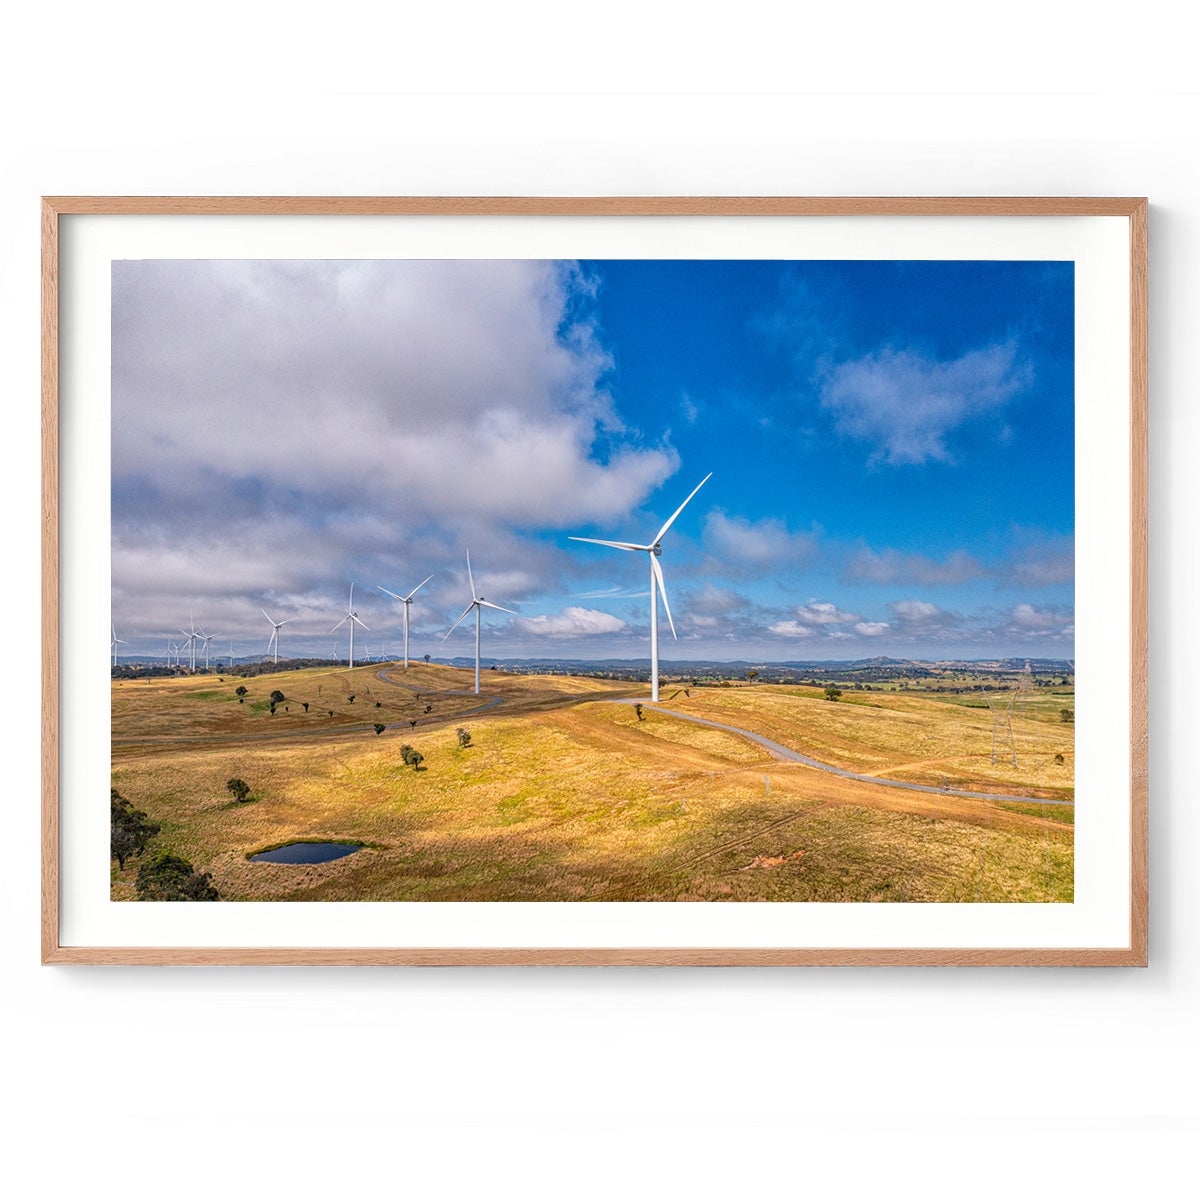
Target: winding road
point(789, 755)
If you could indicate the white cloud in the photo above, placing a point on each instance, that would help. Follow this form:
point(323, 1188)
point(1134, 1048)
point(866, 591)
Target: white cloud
point(920, 612)
point(572, 622)
point(1026, 619)
point(790, 629)
point(893, 566)
point(906, 406)
point(871, 628)
point(737, 540)
point(822, 612)
point(371, 385)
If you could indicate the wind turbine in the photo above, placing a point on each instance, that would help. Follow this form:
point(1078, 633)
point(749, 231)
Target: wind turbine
point(231, 654)
point(654, 549)
point(192, 639)
point(276, 626)
point(478, 603)
point(116, 641)
point(206, 638)
point(352, 617)
point(406, 601)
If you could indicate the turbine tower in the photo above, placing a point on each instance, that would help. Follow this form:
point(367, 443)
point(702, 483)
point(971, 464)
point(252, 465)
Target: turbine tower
point(116, 641)
point(653, 550)
point(276, 626)
point(478, 603)
point(350, 616)
point(406, 601)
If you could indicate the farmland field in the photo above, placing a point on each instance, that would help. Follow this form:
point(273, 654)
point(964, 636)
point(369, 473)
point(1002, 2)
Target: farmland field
point(563, 795)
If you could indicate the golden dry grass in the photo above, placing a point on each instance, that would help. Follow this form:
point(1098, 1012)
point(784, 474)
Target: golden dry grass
point(896, 735)
point(561, 798)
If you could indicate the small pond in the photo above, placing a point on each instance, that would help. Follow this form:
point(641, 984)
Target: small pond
point(306, 852)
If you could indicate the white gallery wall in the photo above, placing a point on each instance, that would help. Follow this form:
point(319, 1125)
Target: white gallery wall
point(571, 1082)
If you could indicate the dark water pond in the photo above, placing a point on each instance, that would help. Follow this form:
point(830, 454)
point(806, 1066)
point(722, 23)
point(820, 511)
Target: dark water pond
point(306, 852)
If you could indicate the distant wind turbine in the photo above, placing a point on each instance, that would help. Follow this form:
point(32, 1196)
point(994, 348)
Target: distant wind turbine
point(653, 549)
point(192, 638)
point(478, 603)
point(116, 641)
point(276, 626)
point(352, 617)
point(207, 638)
point(406, 601)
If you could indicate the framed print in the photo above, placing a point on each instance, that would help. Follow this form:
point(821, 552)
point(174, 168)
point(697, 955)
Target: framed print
point(595, 581)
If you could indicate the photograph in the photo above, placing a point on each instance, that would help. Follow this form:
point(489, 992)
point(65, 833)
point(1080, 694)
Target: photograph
point(382, 629)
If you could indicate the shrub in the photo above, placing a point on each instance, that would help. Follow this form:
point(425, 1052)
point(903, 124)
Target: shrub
point(415, 759)
point(131, 829)
point(637, 708)
point(379, 728)
point(239, 787)
point(833, 693)
point(406, 753)
point(464, 737)
point(277, 697)
point(168, 877)
point(1066, 715)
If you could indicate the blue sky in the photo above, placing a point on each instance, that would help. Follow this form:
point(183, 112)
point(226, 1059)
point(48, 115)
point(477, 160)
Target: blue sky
point(891, 446)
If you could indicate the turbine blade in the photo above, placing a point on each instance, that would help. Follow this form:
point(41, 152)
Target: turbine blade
point(471, 578)
point(662, 587)
point(283, 623)
point(416, 589)
point(355, 618)
point(680, 509)
point(340, 623)
point(459, 621)
point(386, 592)
point(264, 613)
point(489, 604)
point(601, 542)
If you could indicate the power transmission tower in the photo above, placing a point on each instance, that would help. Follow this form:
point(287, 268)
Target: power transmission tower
point(1002, 730)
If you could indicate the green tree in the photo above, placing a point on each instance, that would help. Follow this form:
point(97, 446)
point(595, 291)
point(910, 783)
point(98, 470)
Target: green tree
point(241, 694)
point(168, 877)
point(406, 753)
point(833, 693)
point(637, 708)
point(379, 728)
point(277, 697)
point(239, 787)
point(415, 759)
point(131, 829)
point(427, 658)
point(752, 674)
point(464, 737)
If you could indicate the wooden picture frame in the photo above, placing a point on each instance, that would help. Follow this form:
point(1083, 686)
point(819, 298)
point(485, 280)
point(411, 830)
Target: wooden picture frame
point(1130, 950)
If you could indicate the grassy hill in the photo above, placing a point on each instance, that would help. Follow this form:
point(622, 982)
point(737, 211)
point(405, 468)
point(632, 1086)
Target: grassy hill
point(561, 796)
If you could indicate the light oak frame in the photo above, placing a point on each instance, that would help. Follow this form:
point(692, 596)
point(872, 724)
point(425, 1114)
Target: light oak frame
point(1134, 209)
